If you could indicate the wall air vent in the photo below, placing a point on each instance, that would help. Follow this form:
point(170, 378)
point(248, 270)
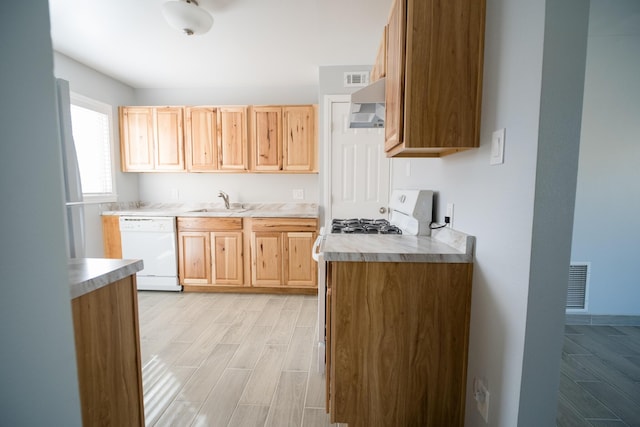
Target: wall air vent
point(356, 79)
point(577, 290)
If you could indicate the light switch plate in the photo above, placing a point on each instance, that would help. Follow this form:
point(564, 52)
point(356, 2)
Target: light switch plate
point(497, 147)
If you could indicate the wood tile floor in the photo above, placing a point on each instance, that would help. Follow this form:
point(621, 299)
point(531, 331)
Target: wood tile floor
point(230, 360)
point(600, 377)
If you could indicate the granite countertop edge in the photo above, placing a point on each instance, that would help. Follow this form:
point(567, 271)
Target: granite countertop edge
point(442, 246)
point(89, 274)
point(246, 210)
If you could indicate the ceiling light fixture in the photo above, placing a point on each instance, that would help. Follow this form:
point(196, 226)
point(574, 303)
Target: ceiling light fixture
point(186, 16)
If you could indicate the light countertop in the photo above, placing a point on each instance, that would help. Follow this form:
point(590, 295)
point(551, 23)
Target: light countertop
point(443, 246)
point(89, 274)
point(249, 210)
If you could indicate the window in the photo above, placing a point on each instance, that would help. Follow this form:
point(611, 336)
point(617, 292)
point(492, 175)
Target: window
point(91, 125)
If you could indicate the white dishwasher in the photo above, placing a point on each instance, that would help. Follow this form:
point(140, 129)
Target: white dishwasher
point(153, 240)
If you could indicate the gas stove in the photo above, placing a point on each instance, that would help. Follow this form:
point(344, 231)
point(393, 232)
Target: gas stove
point(363, 226)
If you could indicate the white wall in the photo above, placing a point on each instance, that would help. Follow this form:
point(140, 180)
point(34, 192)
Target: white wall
point(606, 228)
point(517, 315)
point(159, 187)
point(38, 376)
point(95, 85)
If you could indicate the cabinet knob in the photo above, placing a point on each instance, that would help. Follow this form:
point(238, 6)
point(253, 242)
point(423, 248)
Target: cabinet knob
point(382, 210)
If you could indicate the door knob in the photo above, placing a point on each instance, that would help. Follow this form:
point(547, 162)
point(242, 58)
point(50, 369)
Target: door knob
point(382, 210)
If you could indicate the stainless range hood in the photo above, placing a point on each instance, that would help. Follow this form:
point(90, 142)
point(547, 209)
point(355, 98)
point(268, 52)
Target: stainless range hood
point(368, 106)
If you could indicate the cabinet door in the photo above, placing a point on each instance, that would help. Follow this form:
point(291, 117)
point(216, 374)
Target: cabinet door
point(266, 257)
point(232, 139)
point(394, 85)
point(112, 244)
point(226, 247)
point(266, 138)
point(379, 69)
point(169, 140)
point(201, 133)
point(299, 267)
point(136, 139)
point(195, 257)
point(299, 142)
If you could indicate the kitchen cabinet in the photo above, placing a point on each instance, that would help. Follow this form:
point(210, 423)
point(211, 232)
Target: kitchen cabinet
point(284, 138)
point(216, 139)
point(210, 251)
point(107, 343)
point(152, 139)
point(379, 69)
point(397, 340)
point(433, 77)
point(201, 139)
point(300, 139)
point(281, 252)
point(233, 154)
point(112, 244)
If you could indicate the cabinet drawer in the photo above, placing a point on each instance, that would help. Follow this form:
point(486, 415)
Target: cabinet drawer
point(208, 224)
point(284, 224)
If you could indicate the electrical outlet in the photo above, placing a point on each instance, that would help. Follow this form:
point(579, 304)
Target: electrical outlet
point(481, 396)
point(298, 194)
point(449, 215)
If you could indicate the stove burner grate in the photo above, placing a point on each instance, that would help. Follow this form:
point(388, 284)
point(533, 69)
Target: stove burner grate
point(364, 226)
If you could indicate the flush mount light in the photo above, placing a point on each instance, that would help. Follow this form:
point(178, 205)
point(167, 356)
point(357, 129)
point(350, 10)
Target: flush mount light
point(186, 16)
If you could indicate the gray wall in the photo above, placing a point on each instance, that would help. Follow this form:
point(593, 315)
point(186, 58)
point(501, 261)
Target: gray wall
point(606, 228)
point(39, 384)
point(520, 273)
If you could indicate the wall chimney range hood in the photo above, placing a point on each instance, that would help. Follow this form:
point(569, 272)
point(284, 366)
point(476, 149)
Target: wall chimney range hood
point(368, 106)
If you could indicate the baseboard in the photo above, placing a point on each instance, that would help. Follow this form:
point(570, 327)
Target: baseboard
point(600, 320)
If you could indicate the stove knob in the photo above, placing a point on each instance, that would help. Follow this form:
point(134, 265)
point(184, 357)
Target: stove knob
point(382, 210)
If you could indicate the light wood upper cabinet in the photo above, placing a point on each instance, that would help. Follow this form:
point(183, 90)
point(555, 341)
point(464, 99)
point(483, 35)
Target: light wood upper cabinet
point(284, 138)
point(281, 252)
point(210, 251)
point(434, 77)
point(151, 139)
point(233, 152)
point(136, 139)
point(201, 134)
point(169, 137)
point(266, 139)
point(300, 138)
point(379, 69)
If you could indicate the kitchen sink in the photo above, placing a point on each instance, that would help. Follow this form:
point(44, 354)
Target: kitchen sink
point(232, 209)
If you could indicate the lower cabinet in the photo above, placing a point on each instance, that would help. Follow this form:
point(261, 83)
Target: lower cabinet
point(107, 341)
point(210, 251)
point(397, 340)
point(212, 254)
point(281, 252)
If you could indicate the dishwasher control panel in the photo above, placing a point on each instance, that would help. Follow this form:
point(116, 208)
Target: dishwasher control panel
point(148, 223)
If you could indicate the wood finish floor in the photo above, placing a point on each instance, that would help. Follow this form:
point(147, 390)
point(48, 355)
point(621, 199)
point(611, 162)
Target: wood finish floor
point(600, 377)
point(230, 360)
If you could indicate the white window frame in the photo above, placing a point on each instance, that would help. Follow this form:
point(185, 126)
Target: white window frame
point(100, 107)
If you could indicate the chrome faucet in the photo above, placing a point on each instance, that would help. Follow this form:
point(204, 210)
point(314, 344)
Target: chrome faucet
point(225, 197)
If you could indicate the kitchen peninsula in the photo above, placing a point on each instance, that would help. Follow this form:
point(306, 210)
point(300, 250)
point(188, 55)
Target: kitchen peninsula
point(104, 305)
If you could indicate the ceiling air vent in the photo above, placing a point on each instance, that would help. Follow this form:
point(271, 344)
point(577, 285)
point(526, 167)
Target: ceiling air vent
point(577, 290)
point(356, 79)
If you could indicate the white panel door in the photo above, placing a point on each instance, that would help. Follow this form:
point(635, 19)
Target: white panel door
point(359, 169)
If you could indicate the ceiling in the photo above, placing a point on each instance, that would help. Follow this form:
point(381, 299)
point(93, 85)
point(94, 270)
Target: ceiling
point(252, 42)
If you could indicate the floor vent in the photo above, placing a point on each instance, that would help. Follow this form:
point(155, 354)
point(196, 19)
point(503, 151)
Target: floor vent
point(356, 79)
point(577, 290)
